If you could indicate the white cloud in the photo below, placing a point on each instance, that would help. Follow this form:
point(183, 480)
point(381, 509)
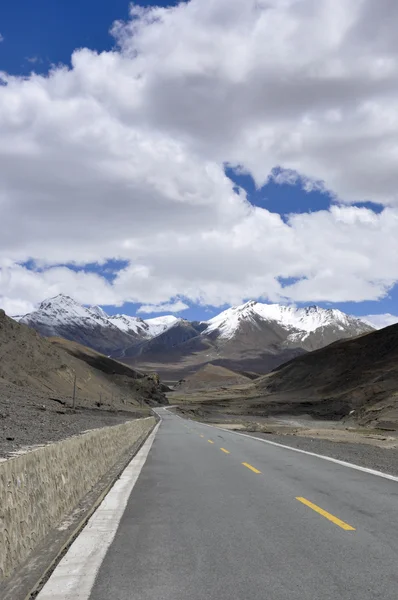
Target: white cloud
point(122, 156)
point(1, 38)
point(171, 307)
point(21, 289)
point(380, 321)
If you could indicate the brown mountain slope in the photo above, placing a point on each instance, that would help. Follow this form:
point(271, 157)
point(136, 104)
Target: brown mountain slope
point(182, 350)
point(36, 387)
point(49, 365)
point(359, 375)
point(251, 337)
point(209, 377)
point(356, 378)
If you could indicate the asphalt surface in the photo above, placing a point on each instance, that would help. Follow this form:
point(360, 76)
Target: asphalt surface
point(366, 455)
point(199, 524)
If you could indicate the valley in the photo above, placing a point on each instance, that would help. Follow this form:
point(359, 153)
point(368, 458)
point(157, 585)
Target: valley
point(252, 337)
point(354, 380)
point(253, 361)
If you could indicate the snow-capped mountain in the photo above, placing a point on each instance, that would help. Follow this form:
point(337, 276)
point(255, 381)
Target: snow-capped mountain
point(62, 316)
point(60, 311)
point(158, 325)
point(144, 329)
point(97, 311)
point(309, 328)
point(253, 336)
point(132, 325)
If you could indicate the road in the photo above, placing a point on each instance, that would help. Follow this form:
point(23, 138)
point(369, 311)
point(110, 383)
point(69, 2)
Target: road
point(220, 516)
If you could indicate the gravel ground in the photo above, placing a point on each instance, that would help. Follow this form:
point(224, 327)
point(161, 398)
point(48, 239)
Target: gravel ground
point(30, 419)
point(371, 457)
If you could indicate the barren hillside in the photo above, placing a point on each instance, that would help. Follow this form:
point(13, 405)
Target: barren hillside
point(356, 378)
point(210, 377)
point(37, 378)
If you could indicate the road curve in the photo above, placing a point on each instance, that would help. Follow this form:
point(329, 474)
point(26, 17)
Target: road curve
point(222, 516)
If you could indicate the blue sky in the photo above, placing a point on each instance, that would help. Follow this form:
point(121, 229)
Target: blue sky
point(51, 29)
point(47, 35)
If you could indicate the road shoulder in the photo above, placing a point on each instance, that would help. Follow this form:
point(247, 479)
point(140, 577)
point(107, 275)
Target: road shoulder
point(369, 457)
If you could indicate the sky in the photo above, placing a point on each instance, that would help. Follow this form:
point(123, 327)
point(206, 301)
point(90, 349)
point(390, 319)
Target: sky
point(185, 157)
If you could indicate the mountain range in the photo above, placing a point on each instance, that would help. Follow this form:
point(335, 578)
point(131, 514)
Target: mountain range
point(253, 337)
point(61, 316)
point(354, 380)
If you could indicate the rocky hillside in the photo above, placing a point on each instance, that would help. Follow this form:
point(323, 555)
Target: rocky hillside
point(49, 365)
point(37, 378)
point(210, 377)
point(356, 377)
point(173, 342)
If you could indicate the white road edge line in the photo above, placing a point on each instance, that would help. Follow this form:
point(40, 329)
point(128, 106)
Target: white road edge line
point(75, 574)
point(329, 458)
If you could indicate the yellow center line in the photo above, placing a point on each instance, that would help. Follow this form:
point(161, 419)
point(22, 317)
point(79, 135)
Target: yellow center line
point(210, 441)
point(226, 451)
point(327, 515)
point(251, 468)
point(201, 435)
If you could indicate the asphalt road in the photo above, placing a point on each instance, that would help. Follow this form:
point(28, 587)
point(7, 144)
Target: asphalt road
point(201, 524)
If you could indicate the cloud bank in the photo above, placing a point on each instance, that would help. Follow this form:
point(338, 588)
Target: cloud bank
point(380, 321)
point(168, 307)
point(122, 156)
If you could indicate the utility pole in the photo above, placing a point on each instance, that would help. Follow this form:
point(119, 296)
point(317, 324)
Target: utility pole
point(74, 393)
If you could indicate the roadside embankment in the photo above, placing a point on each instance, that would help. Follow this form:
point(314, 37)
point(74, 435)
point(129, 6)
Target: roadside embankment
point(41, 487)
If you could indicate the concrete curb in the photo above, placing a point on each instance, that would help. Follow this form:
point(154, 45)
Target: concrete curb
point(25, 583)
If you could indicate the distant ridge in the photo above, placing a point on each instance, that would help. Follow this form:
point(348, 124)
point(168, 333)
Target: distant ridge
point(253, 336)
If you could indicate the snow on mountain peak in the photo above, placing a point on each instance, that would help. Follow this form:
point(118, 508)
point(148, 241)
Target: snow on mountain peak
point(97, 311)
point(158, 325)
point(60, 300)
point(61, 314)
point(130, 324)
point(62, 311)
point(305, 320)
point(62, 308)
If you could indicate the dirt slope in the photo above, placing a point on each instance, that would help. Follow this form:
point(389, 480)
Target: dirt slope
point(36, 387)
point(359, 375)
point(355, 379)
point(210, 377)
point(50, 364)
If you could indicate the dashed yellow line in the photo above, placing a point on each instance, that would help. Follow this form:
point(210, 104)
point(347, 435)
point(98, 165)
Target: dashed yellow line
point(224, 450)
point(327, 515)
point(201, 435)
point(210, 441)
point(251, 468)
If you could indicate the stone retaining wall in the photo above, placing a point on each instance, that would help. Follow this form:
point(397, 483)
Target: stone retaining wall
point(40, 487)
